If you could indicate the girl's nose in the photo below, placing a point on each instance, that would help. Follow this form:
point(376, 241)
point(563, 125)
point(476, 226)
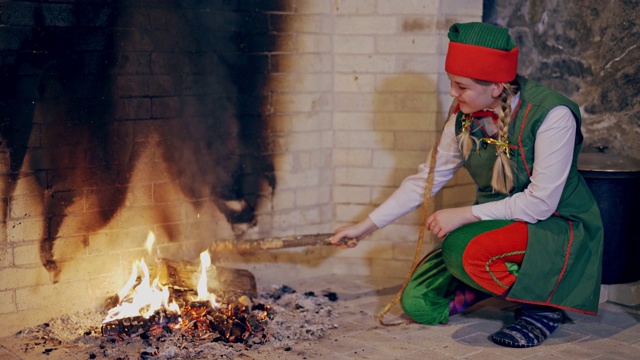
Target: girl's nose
point(453, 92)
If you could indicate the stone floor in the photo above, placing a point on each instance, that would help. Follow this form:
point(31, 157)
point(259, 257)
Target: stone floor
point(614, 334)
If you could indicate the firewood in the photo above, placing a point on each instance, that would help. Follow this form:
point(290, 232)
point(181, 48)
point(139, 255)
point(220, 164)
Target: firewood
point(220, 279)
point(274, 243)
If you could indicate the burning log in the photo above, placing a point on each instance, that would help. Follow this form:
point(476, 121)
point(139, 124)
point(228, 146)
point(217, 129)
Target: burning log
point(184, 275)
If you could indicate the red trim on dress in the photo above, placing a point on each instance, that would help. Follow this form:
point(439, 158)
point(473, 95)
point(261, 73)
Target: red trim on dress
point(544, 303)
point(524, 122)
point(479, 126)
point(566, 259)
point(562, 272)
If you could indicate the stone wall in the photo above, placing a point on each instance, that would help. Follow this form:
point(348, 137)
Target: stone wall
point(588, 50)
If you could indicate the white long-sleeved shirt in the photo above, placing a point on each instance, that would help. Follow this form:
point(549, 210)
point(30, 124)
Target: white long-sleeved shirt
point(553, 153)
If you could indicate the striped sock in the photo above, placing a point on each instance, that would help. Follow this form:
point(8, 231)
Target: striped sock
point(532, 327)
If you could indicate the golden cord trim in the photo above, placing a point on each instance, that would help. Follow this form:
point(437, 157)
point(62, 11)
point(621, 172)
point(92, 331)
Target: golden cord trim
point(488, 263)
point(466, 123)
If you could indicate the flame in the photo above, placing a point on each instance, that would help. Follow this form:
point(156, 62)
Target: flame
point(151, 238)
point(203, 291)
point(144, 298)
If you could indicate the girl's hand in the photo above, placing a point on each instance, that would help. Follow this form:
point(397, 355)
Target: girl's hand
point(445, 221)
point(357, 231)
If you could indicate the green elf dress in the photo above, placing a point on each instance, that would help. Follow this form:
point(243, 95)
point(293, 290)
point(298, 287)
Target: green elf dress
point(562, 262)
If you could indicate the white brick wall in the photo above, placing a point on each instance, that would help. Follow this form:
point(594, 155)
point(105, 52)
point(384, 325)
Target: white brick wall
point(370, 75)
point(400, 80)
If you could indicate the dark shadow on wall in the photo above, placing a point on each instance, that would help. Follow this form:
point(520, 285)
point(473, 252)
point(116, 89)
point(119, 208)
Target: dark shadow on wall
point(78, 78)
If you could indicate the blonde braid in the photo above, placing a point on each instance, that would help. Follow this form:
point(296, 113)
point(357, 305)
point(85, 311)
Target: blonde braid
point(464, 138)
point(502, 179)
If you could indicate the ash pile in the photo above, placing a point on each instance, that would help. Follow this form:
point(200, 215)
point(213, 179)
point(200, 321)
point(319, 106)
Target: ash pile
point(277, 319)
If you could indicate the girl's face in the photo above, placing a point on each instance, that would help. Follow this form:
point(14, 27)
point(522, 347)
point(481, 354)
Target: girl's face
point(473, 96)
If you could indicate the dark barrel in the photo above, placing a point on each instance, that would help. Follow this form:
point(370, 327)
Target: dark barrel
point(615, 183)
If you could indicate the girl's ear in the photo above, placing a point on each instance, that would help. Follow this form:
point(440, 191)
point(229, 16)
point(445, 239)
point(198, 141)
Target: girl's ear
point(496, 89)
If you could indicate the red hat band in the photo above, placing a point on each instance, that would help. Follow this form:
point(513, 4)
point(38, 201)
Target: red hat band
point(481, 63)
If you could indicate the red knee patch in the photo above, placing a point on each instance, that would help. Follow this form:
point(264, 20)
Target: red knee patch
point(486, 255)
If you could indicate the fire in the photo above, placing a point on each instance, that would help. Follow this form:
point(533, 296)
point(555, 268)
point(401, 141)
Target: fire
point(142, 300)
point(203, 291)
point(146, 297)
point(147, 306)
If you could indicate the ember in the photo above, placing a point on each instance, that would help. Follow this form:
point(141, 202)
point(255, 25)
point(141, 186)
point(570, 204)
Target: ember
point(138, 325)
point(236, 324)
point(200, 321)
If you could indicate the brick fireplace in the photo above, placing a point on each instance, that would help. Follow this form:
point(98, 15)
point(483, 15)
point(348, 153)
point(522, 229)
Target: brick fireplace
point(208, 120)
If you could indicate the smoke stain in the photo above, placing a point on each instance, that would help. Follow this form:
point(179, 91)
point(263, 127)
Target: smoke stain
point(204, 93)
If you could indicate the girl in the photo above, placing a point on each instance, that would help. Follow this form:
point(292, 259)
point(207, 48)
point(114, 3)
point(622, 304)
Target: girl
point(534, 235)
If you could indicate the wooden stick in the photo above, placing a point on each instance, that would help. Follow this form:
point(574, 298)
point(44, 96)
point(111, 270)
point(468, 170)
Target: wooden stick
point(275, 243)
